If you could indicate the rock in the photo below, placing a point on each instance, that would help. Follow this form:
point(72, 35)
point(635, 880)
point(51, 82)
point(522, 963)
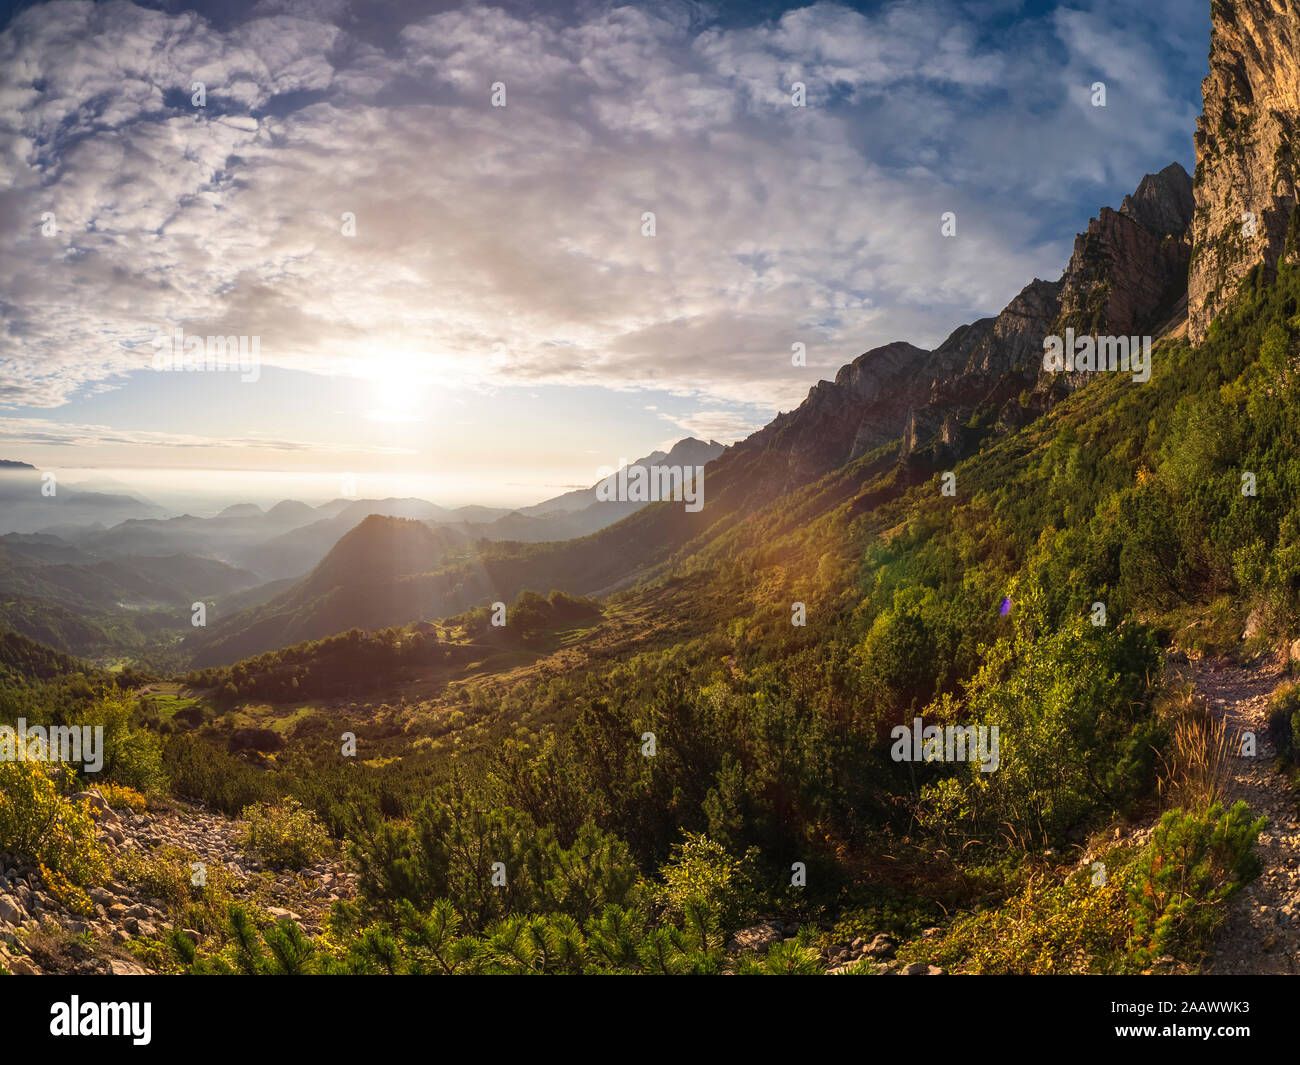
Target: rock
point(10, 911)
point(920, 968)
point(122, 967)
point(23, 967)
point(881, 947)
point(1244, 161)
point(1253, 624)
point(757, 937)
point(97, 803)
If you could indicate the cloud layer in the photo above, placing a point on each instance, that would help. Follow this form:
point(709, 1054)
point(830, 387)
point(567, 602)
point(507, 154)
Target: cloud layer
point(504, 245)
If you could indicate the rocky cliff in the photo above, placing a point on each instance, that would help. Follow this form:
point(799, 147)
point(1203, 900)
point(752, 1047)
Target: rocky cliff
point(1246, 144)
point(1127, 275)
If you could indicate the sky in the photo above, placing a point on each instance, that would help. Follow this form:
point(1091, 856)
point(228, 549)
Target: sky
point(469, 299)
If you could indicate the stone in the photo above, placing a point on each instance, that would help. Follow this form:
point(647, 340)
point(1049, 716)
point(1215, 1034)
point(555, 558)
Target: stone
point(881, 947)
point(757, 937)
point(10, 911)
point(123, 967)
point(96, 802)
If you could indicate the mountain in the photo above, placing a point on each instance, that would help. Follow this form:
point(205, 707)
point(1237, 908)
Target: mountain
point(241, 510)
point(23, 660)
point(368, 580)
point(1127, 275)
point(291, 512)
point(686, 452)
point(31, 501)
point(65, 575)
point(1247, 152)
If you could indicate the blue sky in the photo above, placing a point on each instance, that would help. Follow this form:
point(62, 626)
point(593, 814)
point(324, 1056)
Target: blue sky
point(499, 327)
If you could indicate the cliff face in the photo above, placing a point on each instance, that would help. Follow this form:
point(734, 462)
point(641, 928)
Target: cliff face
point(1130, 266)
point(1246, 152)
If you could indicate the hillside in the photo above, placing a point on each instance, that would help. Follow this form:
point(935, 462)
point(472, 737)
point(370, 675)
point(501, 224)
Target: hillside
point(369, 580)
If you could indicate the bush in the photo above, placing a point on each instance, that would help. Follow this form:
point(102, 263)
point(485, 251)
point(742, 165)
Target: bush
point(197, 894)
point(1074, 926)
point(203, 772)
point(286, 834)
point(119, 796)
point(1071, 703)
point(456, 842)
point(702, 875)
point(138, 763)
point(56, 833)
point(1194, 863)
point(131, 754)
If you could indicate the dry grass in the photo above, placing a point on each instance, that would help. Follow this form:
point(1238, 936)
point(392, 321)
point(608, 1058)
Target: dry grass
point(1198, 766)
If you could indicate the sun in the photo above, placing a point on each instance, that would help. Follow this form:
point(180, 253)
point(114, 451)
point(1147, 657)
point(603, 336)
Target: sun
point(398, 384)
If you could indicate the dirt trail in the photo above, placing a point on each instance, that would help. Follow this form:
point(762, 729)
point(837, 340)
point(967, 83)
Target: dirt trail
point(1262, 932)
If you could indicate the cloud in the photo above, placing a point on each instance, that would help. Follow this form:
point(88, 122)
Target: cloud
point(724, 426)
point(505, 246)
point(61, 434)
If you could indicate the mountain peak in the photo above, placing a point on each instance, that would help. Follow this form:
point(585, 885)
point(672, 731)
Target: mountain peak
point(241, 510)
point(1163, 202)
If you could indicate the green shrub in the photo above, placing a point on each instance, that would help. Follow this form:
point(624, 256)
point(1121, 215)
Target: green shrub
point(1048, 927)
point(138, 763)
point(55, 833)
point(702, 875)
point(286, 834)
point(1194, 863)
point(204, 773)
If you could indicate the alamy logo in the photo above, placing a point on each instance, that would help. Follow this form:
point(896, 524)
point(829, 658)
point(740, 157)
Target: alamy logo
point(58, 743)
point(652, 484)
point(1089, 354)
point(75, 1017)
point(214, 354)
point(950, 743)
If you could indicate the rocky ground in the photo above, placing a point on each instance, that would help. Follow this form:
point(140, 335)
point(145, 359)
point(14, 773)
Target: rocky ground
point(876, 954)
point(1262, 932)
point(40, 935)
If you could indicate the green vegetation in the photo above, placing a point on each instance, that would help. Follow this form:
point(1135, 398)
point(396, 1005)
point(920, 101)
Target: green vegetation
point(286, 834)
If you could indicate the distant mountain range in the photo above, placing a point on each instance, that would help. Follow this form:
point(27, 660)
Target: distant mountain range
point(84, 570)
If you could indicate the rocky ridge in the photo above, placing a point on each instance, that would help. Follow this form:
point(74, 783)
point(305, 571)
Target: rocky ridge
point(1127, 276)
